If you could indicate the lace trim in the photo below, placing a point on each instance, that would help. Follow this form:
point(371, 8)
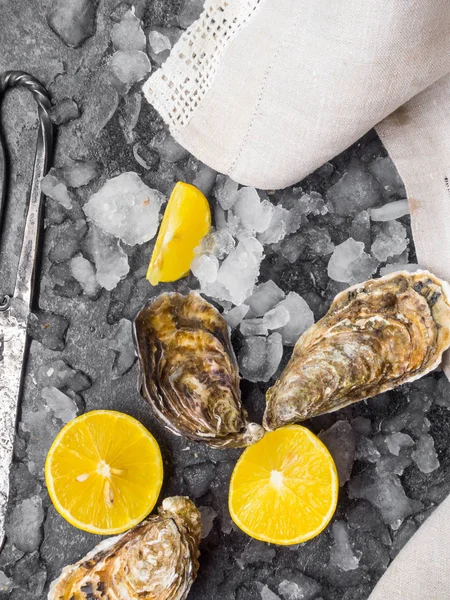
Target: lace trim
point(178, 87)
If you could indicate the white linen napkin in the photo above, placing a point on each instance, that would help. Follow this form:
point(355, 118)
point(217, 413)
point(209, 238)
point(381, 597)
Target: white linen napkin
point(422, 568)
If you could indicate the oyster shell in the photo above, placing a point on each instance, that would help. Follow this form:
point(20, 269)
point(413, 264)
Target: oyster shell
point(188, 371)
point(157, 560)
point(375, 336)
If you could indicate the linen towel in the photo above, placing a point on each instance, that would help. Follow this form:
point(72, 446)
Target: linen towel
point(422, 568)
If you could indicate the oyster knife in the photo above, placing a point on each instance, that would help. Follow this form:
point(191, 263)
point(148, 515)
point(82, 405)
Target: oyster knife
point(15, 308)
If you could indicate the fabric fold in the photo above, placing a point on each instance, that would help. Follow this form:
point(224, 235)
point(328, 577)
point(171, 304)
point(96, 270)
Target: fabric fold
point(421, 569)
point(417, 137)
point(266, 91)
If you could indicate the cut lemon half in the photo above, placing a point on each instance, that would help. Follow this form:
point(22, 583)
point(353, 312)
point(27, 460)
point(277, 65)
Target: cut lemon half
point(284, 488)
point(187, 219)
point(104, 472)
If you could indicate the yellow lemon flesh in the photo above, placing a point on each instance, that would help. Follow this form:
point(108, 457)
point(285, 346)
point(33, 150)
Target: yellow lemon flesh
point(186, 220)
point(104, 472)
point(284, 488)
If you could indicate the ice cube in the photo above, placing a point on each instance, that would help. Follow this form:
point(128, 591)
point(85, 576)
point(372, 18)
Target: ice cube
point(168, 149)
point(260, 357)
point(101, 106)
point(126, 208)
point(207, 514)
point(410, 417)
point(392, 268)
point(443, 392)
point(73, 21)
point(265, 296)
point(42, 430)
point(393, 464)
point(355, 191)
point(256, 552)
point(53, 187)
point(77, 173)
point(425, 455)
point(276, 317)
point(122, 344)
point(225, 191)
point(341, 554)
point(159, 42)
point(240, 269)
point(220, 243)
point(30, 574)
point(66, 110)
point(360, 228)
point(24, 524)
point(318, 241)
point(404, 534)
point(64, 284)
point(63, 407)
point(204, 176)
point(389, 241)
point(362, 516)
point(205, 267)
point(111, 262)
point(234, 316)
point(366, 449)
point(267, 594)
point(253, 214)
point(303, 588)
point(293, 247)
point(6, 583)
point(251, 327)
point(390, 211)
point(300, 318)
point(350, 264)
point(131, 109)
point(277, 229)
point(384, 170)
point(397, 441)
point(223, 243)
point(83, 271)
point(340, 441)
point(127, 68)
point(385, 493)
point(145, 156)
point(58, 374)
point(372, 554)
point(128, 33)
point(48, 328)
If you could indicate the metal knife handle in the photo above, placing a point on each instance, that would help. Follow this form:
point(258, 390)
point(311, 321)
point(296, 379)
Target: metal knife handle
point(27, 261)
point(14, 311)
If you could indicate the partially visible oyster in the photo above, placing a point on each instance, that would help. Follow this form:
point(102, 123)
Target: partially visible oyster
point(375, 336)
point(157, 560)
point(188, 371)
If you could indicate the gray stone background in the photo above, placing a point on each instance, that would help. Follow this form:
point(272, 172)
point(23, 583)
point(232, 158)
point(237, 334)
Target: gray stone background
point(388, 496)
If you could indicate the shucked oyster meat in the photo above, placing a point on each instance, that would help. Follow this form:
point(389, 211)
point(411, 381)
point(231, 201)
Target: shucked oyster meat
point(157, 560)
point(189, 373)
point(376, 336)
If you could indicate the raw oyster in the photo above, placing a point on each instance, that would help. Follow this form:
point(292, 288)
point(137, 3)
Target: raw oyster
point(375, 336)
point(157, 560)
point(188, 371)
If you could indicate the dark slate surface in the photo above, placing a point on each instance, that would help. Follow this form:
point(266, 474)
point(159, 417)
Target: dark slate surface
point(232, 565)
